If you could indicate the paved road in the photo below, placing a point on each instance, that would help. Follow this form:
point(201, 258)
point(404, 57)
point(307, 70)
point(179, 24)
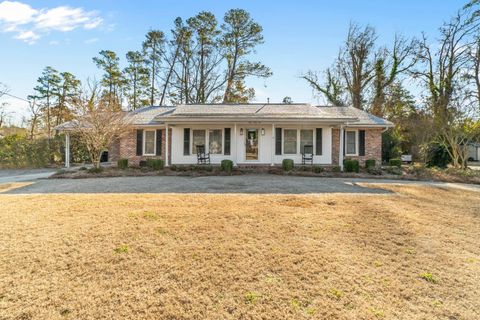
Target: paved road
point(7, 175)
point(261, 184)
point(219, 184)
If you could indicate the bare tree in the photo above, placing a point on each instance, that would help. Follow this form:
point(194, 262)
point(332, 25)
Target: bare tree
point(35, 115)
point(456, 137)
point(333, 89)
point(4, 114)
point(441, 69)
point(97, 122)
point(3, 89)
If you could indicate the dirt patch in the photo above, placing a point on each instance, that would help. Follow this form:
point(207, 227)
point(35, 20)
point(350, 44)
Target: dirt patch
point(409, 255)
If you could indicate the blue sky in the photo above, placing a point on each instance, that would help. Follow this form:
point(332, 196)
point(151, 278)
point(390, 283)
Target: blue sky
point(299, 35)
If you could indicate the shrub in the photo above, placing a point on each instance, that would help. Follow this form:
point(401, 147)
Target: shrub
point(122, 164)
point(173, 167)
point(351, 165)
point(436, 155)
point(374, 170)
point(155, 164)
point(317, 169)
point(142, 163)
point(287, 164)
point(336, 169)
point(393, 170)
point(369, 163)
point(395, 162)
point(95, 170)
point(82, 168)
point(226, 165)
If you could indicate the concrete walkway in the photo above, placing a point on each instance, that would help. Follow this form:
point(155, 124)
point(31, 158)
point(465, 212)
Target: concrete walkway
point(8, 176)
point(259, 184)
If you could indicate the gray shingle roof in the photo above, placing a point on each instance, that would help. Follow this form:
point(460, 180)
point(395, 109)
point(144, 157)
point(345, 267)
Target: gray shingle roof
point(146, 115)
point(154, 115)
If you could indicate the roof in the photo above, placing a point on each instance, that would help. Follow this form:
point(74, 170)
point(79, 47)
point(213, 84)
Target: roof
point(154, 115)
point(146, 115)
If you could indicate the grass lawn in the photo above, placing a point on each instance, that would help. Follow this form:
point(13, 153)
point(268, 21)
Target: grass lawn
point(413, 254)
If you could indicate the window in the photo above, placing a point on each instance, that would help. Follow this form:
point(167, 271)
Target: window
point(215, 141)
point(306, 138)
point(351, 142)
point(198, 139)
point(290, 141)
point(149, 144)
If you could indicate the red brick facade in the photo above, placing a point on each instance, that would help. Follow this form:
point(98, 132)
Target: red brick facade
point(126, 148)
point(373, 146)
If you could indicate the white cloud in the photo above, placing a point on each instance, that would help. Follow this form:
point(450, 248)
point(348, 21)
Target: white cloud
point(29, 24)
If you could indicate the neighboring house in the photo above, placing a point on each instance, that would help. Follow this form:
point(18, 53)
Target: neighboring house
point(474, 152)
point(250, 134)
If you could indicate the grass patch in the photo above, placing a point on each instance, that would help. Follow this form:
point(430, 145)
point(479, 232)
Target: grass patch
point(252, 297)
point(429, 277)
point(121, 249)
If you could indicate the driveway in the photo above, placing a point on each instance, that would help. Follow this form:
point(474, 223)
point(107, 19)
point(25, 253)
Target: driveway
point(17, 175)
point(260, 184)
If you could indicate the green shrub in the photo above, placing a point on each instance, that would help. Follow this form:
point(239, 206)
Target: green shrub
point(82, 168)
point(287, 164)
point(374, 170)
point(155, 164)
point(122, 164)
point(95, 170)
point(317, 169)
point(393, 170)
point(395, 163)
point(142, 164)
point(336, 169)
point(173, 167)
point(436, 155)
point(226, 165)
point(369, 163)
point(351, 165)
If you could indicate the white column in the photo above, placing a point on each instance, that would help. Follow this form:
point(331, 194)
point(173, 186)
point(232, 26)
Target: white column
point(166, 145)
point(340, 155)
point(67, 150)
point(273, 145)
point(235, 144)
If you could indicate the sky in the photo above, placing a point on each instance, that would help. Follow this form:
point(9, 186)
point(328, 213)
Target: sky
point(300, 35)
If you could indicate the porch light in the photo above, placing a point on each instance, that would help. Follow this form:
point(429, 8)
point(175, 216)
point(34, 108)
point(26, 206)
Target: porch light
point(263, 131)
point(241, 131)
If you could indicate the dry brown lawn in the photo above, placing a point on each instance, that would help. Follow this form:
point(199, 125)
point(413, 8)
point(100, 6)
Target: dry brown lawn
point(414, 254)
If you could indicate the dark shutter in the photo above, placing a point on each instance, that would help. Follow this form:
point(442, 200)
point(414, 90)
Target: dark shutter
point(318, 142)
point(186, 141)
point(278, 141)
point(159, 142)
point(344, 140)
point(361, 142)
point(227, 142)
point(139, 142)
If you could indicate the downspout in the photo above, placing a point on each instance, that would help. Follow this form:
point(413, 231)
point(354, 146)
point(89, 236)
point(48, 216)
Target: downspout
point(167, 145)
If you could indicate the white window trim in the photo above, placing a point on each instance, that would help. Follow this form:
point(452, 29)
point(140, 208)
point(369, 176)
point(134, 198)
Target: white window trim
point(154, 143)
point(299, 152)
point(207, 140)
point(356, 143)
point(313, 140)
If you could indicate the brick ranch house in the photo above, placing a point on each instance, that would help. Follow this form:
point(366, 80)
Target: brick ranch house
point(249, 134)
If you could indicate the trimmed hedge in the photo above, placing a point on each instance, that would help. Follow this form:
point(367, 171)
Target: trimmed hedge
point(395, 163)
point(287, 164)
point(370, 163)
point(155, 164)
point(122, 164)
point(226, 165)
point(351, 165)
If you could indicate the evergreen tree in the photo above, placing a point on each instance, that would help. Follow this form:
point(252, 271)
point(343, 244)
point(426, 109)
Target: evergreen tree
point(153, 49)
point(136, 80)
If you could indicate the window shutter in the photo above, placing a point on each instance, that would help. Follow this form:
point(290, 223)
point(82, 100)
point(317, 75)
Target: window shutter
point(361, 142)
point(318, 142)
point(227, 142)
point(159, 142)
point(278, 141)
point(344, 141)
point(139, 142)
point(186, 141)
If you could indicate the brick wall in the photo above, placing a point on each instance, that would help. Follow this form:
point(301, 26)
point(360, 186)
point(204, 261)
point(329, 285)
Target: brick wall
point(373, 146)
point(127, 147)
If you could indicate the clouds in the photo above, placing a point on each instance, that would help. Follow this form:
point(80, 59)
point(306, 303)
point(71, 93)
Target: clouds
point(30, 24)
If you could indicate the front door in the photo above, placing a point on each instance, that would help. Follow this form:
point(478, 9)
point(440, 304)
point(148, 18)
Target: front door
point(251, 145)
